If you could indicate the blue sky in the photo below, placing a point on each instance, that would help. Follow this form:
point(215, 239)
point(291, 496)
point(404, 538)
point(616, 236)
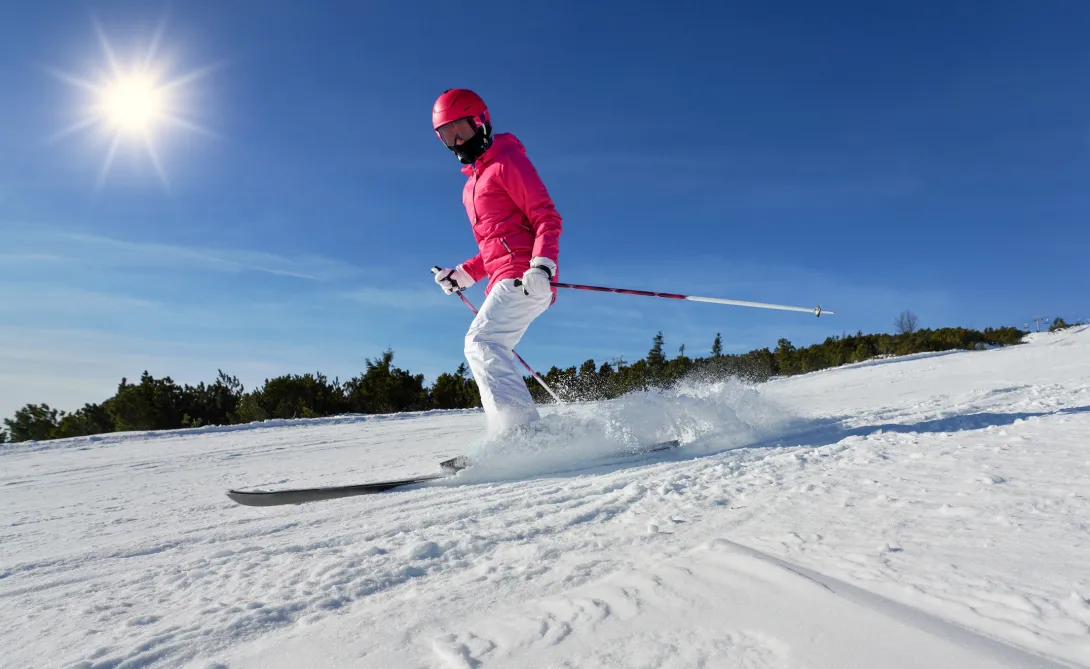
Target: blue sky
point(872, 157)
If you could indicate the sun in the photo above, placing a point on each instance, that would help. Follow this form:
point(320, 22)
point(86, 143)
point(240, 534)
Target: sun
point(133, 103)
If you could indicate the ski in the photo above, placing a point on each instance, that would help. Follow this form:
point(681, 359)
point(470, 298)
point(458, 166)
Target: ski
point(278, 497)
point(455, 465)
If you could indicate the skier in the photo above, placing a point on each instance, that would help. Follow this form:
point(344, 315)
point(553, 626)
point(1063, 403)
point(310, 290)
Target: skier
point(517, 230)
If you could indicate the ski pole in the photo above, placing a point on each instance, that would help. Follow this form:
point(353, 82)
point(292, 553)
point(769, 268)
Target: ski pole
point(817, 311)
point(436, 270)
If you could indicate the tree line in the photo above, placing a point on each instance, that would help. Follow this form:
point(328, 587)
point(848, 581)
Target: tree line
point(590, 381)
point(162, 404)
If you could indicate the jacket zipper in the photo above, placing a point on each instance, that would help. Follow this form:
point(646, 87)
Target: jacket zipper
point(503, 240)
point(474, 197)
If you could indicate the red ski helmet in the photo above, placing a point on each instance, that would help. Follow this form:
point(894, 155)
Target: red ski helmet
point(458, 103)
point(461, 120)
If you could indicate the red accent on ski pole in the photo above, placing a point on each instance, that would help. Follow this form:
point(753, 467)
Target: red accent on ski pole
point(623, 291)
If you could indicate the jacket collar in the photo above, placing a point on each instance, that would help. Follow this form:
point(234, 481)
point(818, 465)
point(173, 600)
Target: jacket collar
point(501, 143)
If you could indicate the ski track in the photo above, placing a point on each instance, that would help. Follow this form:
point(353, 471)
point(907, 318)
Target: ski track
point(954, 486)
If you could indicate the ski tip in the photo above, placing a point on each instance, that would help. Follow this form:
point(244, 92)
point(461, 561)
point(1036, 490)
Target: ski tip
point(455, 464)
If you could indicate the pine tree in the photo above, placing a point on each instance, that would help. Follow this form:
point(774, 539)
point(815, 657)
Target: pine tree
point(36, 422)
point(91, 419)
point(654, 372)
point(384, 388)
point(455, 391)
point(294, 396)
point(152, 404)
point(588, 384)
point(786, 357)
point(656, 359)
point(717, 346)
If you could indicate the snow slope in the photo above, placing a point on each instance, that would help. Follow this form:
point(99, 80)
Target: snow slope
point(924, 512)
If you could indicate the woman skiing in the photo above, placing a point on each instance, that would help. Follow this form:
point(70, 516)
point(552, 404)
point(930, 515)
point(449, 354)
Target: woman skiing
point(517, 230)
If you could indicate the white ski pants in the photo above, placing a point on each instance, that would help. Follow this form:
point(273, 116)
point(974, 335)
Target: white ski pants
point(500, 323)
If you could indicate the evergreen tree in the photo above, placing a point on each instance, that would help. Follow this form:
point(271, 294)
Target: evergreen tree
point(455, 391)
point(636, 376)
point(588, 385)
point(717, 346)
point(758, 366)
point(91, 419)
point(656, 359)
point(34, 422)
point(384, 388)
point(609, 381)
point(565, 382)
point(153, 404)
point(3, 436)
point(677, 368)
point(250, 409)
point(294, 396)
point(864, 350)
point(215, 404)
point(785, 357)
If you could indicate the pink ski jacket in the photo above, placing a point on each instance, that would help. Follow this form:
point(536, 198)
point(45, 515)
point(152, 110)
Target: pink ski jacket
point(512, 215)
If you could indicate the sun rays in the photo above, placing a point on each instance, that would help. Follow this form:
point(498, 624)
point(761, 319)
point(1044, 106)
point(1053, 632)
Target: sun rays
point(133, 103)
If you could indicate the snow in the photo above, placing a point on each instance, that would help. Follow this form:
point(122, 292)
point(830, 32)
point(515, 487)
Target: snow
point(922, 512)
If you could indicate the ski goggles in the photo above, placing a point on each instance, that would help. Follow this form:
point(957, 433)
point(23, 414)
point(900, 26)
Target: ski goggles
point(463, 129)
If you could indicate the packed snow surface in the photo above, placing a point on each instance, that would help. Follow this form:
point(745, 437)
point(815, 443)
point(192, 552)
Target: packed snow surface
point(923, 512)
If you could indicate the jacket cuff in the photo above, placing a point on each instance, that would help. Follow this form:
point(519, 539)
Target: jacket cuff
point(474, 267)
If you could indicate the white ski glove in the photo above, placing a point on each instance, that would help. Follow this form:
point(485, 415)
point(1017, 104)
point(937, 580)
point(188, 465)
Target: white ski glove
point(451, 280)
point(536, 280)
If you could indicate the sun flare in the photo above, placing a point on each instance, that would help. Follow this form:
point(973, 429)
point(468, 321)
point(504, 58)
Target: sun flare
point(133, 103)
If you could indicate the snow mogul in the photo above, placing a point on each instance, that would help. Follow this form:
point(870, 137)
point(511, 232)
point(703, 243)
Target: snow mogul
point(518, 232)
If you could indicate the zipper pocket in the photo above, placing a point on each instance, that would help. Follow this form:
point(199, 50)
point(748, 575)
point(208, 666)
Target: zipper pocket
point(503, 240)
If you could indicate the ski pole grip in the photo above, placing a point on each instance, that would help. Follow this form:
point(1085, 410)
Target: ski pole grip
point(457, 288)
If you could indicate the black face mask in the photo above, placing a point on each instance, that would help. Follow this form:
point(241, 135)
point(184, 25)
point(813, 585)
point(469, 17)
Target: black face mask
point(469, 151)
